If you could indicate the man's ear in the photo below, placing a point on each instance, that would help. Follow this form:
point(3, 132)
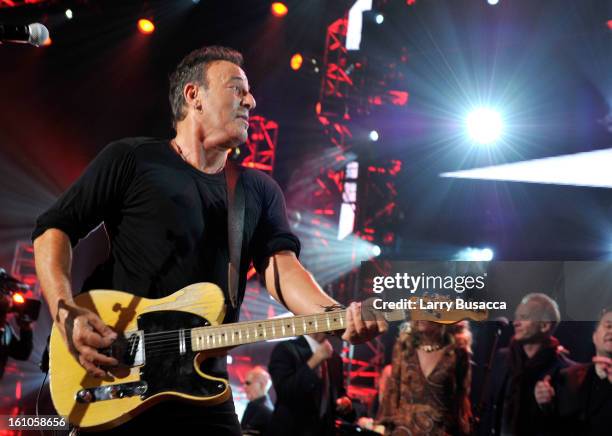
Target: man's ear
point(545, 327)
point(192, 96)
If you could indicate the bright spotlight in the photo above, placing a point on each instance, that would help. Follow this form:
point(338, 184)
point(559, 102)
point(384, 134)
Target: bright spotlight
point(492, 2)
point(69, 14)
point(484, 125)
point(486, 254)
point(374, 136)
point(296, 61)
point(145, 26)
point(18, 298)
point(279, 9)
point(380, 18)
point(376, 250)
point(475, 254)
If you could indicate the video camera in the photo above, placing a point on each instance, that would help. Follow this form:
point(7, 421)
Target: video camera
point(26, 308)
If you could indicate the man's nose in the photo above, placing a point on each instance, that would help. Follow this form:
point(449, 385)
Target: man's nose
point(249, 101)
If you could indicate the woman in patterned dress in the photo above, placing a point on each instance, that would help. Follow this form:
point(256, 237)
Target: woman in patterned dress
point(428, 393)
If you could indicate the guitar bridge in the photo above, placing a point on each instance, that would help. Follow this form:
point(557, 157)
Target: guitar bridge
point(111, 392)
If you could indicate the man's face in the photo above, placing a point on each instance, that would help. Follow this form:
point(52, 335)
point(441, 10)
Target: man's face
point(602, 337)
point(252, 386)
point(528, 323)
point(226, 104)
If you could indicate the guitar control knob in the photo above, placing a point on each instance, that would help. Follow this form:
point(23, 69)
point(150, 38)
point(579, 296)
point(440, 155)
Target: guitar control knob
point(84, 396)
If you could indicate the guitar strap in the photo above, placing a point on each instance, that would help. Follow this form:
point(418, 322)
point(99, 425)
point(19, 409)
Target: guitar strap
point(235, 227)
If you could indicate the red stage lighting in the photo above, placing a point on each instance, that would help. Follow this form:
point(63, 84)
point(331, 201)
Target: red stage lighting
point(47, 42)
point(609, 23)
point(279, 9)
point(296, 61)
point(18, 298)
point(145, 26)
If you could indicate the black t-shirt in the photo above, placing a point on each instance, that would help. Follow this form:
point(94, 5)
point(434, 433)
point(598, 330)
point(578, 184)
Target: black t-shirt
point(167, 221)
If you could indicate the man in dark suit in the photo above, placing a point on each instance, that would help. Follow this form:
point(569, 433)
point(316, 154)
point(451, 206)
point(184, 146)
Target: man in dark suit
point(308, 380)
point(580, 398)
point(258, 412)
point(533, 353)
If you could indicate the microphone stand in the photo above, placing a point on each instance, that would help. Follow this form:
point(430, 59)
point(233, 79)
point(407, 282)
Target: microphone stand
point(487, 377)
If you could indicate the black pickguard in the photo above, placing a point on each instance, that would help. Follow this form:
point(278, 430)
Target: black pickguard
point(165, 368)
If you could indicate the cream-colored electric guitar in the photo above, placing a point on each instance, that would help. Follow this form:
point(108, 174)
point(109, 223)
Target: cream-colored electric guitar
point(160, 346)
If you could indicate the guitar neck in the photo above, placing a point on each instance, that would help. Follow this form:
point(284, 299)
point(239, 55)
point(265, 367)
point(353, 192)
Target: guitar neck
point(232, 335)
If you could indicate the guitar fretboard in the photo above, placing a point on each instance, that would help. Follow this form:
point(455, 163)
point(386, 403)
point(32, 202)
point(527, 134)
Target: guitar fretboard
point(230, 335)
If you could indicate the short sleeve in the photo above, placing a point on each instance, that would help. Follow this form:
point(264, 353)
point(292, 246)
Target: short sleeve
point(273, 233)
point(97, 193)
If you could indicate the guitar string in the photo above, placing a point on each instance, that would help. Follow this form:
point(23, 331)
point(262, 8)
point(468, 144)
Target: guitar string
point(170, 343)
point(246, 323)
point(272, 331)
point(217, 332)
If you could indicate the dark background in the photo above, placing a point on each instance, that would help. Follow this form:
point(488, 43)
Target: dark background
point(546, 65)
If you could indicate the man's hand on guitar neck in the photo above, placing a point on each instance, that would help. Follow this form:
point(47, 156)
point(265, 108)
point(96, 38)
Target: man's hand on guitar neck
point(360, 330)
point(294, 287)
point(85, 333)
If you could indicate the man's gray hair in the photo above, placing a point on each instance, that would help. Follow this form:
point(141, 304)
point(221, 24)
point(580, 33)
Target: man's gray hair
point(549, 309)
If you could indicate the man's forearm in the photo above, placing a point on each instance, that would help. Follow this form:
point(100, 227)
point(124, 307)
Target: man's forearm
point(53, 258)
point(299, 290)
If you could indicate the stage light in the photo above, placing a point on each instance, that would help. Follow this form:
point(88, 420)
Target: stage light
point(492, 2)
point(355, 23)
point(374, 136)
point(296, 61)
point(376, 250)
point(591, 168)
point(328, 253)
point(379, 18)
point(18, 298)
point(279, 9)
point(145, 26)
point(484, 125)
point(69, 14)
point(609, 24)
point(195, 1)
point(47, 42)
point(475, 254)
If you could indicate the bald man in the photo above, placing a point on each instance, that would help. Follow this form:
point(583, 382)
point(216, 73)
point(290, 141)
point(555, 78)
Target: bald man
point(258, 412)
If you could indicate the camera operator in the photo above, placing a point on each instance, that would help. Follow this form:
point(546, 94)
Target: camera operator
point(11, 345)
